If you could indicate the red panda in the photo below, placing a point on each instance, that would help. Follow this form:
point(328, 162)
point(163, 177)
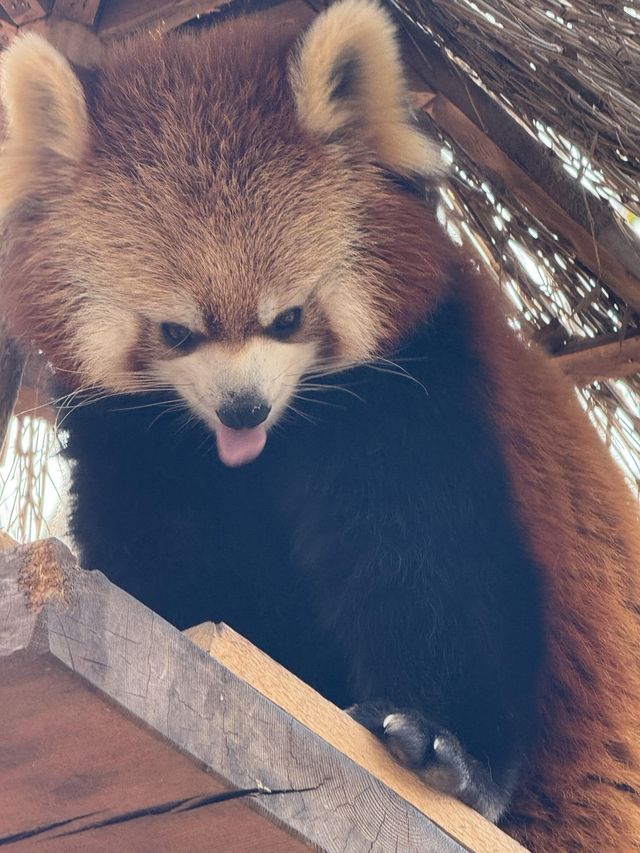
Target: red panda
point(302, 411)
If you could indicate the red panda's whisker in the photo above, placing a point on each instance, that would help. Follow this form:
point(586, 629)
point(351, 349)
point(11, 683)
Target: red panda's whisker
point(175, 408)
point(304, 399)
point(301, 414)
point(310, 386)
point(400, 372)
point(166, 403)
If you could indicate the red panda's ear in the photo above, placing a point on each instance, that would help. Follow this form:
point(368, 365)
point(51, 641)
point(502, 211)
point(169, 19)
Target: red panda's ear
point(347, 76)
point(45, 116)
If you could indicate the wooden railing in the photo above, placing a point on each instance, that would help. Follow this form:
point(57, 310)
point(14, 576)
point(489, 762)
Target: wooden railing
point(125, 734)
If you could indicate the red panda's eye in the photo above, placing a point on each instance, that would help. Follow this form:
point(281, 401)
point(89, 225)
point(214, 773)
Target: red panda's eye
point(287, 323)
point(176, 336)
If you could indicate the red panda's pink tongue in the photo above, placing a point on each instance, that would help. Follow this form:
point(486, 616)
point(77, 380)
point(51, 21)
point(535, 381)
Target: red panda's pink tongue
point(238, 446)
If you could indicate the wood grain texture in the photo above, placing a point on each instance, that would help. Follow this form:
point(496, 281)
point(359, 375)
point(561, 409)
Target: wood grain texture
point(338, 729)
point(121, 17)
point(23, 11)
point(82, 11)
point(78, 776)
point(608, 358)
point(100, 635)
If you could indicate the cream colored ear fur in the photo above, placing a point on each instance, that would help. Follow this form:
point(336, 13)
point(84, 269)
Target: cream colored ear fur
point(358, 38)
point(45, 116)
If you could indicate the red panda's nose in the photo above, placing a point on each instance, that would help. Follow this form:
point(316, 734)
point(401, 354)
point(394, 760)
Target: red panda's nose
point(244, 413)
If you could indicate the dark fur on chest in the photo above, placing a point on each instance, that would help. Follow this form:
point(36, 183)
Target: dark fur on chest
point(372, 549)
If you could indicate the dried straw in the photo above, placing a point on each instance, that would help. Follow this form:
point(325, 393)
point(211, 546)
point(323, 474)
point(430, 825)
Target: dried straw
point(570, 72)
point(572, 65)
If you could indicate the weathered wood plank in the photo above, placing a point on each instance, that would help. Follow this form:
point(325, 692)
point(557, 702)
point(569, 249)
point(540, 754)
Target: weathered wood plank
point(51, 610)
point(497, 165)
point(6, 541)
point(7, 32)
point(120, 17)
point(338, 729)
point(23, 11)
point(12, 361)
point(78, 776)
point(82, 11)
point(608, 358)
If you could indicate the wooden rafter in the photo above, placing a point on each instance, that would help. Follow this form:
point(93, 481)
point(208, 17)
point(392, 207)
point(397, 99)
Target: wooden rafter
point(83, 12)
point(497, 165)
point(601, 358)
point(7, 32)
point(23, 11)
point(121, 17)
point(486, 131)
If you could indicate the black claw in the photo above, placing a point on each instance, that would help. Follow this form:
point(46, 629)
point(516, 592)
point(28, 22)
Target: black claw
point(434, 753)
point(409, 739)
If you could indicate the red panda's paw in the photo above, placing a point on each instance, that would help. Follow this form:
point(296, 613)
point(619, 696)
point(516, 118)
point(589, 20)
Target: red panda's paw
point(435, 754)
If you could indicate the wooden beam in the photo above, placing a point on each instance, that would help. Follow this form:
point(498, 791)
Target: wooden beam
point(604, 358)
point(81, 11)
point(236, 714)
point(121, 17)
point(110, 783)
point(23, 11)
point(336, 728)
point(12, 361)
point(484, 128)
point(501, 169)
point(7, 32)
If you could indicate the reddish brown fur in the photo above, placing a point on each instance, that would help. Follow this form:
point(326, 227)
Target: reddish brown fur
point(153, 100)
point(573, 503)
point(583, 529)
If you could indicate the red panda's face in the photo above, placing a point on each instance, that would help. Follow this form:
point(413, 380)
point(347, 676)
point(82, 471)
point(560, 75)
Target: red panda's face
point(210, 215)
point(227, 297)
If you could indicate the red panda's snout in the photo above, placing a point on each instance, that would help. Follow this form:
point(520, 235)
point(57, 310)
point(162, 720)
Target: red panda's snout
point(242, 435)
point(239, 391)
point(244, 412)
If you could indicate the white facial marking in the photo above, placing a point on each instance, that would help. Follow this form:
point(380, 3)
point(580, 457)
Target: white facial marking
point(105, 336)
point(208, 377)
point(268, 310)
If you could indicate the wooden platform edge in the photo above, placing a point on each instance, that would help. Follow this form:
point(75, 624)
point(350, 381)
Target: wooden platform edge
point(232, 709)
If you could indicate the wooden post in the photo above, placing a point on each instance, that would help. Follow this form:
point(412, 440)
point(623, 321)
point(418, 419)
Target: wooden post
point(234, 754)
point(12, 361)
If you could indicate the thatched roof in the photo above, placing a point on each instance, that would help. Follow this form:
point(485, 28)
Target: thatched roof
point(553, 89)
point(569, 65)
